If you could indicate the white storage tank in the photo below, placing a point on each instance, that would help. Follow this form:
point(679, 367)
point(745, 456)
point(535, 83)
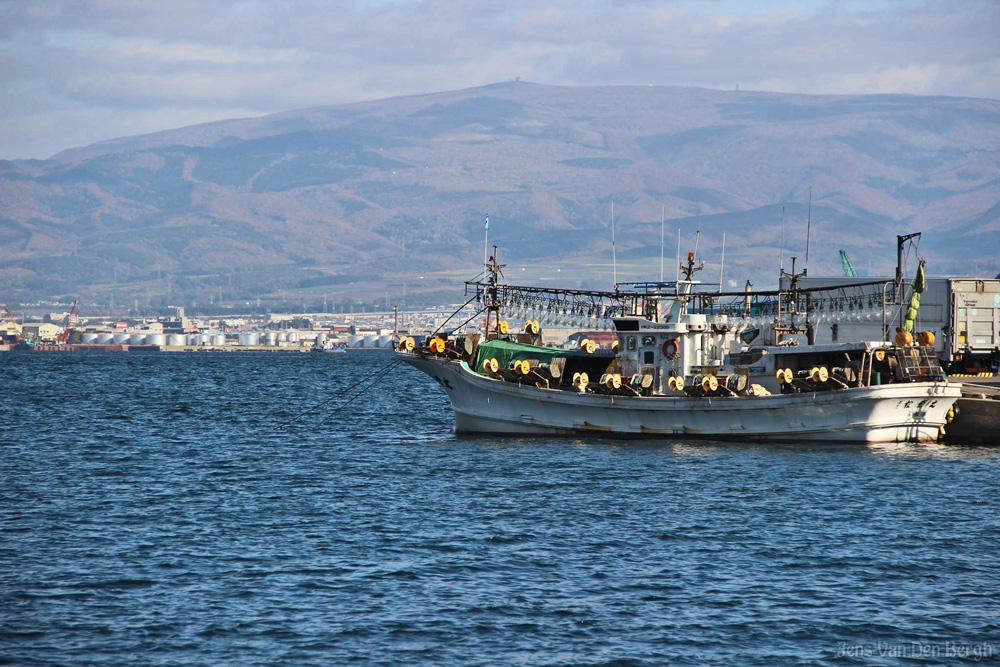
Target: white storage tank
point(120, 338)
point(293, 336)
point(137, 339)
point(371, 341)
point(176, 340)
point(271, 338)
point(105, 338)
point(88, 338)
point(282, 337)
point(354, 340)
point(219, 340)
point(204, 339)
point(320, 339)
point(156, 339)
point(385, 340)
point(248, 339)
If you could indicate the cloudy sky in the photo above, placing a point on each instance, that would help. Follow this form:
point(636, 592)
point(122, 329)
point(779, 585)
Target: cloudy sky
point(73, 72)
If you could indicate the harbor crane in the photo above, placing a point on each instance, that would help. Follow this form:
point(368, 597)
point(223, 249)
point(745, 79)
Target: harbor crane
point(848, 267)
point(63, 338)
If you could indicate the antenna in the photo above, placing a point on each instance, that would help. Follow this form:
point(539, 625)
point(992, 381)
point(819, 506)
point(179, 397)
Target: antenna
point(805, 267)
point(661, 243)
point(781, 262)
point(486, 243)
point(722, 266)
point(614, 259)
point(677, 277)
point(697, 239)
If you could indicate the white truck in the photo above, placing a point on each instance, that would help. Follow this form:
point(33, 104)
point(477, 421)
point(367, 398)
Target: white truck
point(962, 313)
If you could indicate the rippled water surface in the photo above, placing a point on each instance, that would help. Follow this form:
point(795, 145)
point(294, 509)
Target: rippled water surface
point(151, 513)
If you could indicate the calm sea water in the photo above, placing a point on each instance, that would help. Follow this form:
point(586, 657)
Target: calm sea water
point(152, 513)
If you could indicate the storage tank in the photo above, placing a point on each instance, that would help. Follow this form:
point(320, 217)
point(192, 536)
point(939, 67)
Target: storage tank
point(105, 338)
point(137, 339)
point(176, 340)
point(204, 339)
point(193, 339)
point(385, 340)
point(271, 338)
point(371, 341)
point(354, 340)
point(219, 340)
point(248, 339)
point(156, 339)
point(120, 339)
point(320, 339)
point(88, 338)
point(293, 336)
point(282, 337)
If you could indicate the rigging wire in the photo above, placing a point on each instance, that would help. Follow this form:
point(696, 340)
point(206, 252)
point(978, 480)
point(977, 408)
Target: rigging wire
point(457, 311)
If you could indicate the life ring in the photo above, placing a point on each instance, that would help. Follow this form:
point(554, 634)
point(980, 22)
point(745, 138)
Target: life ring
point(670, 349)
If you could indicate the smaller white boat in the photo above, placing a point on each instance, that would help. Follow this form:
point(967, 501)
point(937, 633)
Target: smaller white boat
point(331, 348)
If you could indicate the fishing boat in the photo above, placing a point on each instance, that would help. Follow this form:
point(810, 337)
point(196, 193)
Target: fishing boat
point(331, 348)
point(686, 363)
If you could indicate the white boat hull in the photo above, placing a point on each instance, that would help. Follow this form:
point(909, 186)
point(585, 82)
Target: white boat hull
point(905, 412)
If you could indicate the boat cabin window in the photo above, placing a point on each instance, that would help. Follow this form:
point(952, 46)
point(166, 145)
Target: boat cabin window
point(648, 341)
point(749, 336)
point(630, 343)
point(647, 357)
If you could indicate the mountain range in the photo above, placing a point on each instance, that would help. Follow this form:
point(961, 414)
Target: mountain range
point(384, 201)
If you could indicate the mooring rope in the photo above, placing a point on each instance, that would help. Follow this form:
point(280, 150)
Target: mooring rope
point(372, 378)
point(384, 371)
point(337, 395)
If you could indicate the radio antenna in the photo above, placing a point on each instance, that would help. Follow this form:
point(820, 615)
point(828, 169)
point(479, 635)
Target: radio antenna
point(661, 243)
point(722, 265)
point(781, 261)
point(805, 268)
point(677, 276)
point(614, 259)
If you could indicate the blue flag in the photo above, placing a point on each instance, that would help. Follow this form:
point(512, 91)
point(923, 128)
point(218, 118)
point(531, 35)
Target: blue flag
point(487, 222)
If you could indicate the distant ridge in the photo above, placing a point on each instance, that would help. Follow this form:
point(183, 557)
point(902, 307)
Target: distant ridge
point(358, 201)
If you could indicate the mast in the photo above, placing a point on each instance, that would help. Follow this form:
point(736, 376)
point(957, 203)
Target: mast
point(689, 270)
point(661, 243)
point(677, 274)
point(900, 241)
point(486, 243)
point(793, 300)
point(614, 259)
point(781, 261)
point(722, 265)
point(491, 301)
point(805, 269)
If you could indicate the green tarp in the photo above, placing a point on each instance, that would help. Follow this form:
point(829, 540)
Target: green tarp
point(506, 352)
